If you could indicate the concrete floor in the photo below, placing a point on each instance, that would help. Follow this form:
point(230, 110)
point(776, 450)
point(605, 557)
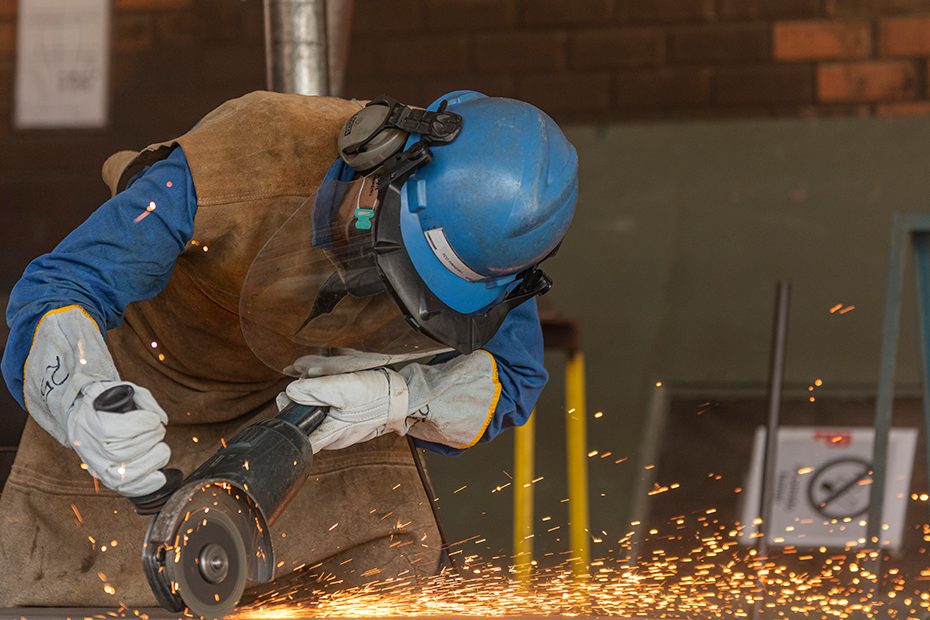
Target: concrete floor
point(101, 613)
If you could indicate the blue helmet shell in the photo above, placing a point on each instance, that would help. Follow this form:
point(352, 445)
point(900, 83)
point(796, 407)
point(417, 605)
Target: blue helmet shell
point(501, 196)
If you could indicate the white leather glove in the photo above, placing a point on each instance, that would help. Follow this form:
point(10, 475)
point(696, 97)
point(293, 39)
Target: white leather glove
point(67, 367)
point(122, 450)
point(363, 405)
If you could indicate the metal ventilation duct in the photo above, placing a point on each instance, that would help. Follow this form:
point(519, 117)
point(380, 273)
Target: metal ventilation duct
point(306, 45)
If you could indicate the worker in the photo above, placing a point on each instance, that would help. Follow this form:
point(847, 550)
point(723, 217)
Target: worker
point(252, 262)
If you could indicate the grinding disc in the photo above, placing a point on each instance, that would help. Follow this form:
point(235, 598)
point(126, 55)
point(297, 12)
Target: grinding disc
point(208, 566)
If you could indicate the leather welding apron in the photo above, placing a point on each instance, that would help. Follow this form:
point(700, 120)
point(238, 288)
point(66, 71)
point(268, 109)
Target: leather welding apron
point(363, 514)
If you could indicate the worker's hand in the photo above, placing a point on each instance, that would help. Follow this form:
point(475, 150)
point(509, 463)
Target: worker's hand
point(122, 450)
point(363, 405)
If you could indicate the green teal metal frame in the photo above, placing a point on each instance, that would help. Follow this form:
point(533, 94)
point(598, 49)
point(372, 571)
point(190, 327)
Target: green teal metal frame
point(905, 227)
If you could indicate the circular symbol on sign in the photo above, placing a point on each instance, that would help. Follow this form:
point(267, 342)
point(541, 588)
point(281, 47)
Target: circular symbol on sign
point(838, 489)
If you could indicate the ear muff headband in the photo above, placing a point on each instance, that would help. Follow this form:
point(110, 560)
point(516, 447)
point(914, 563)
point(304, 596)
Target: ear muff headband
point(379, 131)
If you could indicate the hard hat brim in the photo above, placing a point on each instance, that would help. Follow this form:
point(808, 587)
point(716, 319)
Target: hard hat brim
point(456, 292)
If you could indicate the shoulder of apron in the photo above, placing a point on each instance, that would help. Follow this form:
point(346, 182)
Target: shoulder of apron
point(258, 146)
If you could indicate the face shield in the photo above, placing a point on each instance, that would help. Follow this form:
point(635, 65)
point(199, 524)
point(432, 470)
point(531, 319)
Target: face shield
point(314, 302)
point(335, 290)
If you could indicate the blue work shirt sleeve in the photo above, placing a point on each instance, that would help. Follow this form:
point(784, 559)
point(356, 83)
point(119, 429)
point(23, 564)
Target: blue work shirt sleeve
point(518, 350)
point(124, 252)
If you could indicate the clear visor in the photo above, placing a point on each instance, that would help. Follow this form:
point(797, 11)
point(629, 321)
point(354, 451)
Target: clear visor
point(314, 302)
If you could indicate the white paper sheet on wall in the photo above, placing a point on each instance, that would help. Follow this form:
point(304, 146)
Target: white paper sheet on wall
point(62, 63)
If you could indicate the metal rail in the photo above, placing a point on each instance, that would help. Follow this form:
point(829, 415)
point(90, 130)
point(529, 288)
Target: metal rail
point(776, 380)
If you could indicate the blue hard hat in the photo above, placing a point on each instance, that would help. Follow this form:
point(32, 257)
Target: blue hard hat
point(491, 204)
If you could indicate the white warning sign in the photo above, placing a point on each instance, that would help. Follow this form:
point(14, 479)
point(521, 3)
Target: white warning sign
point(822, 487)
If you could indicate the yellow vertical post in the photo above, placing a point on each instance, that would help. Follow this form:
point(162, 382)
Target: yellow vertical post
point(524, 455)
point(577, 442)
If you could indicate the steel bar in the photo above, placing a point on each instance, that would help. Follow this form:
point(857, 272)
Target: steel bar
point(296, 48)
point(338, 31)
point(524, 456)
point(577, 448)
point(776, 379)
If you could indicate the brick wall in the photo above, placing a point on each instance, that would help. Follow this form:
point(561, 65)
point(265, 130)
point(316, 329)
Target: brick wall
point(606, 60)
point(581, 60)
point(172, 62)
point(584, 60)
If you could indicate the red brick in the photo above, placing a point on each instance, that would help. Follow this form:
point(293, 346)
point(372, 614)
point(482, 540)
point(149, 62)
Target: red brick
point(888, 7)
point(820, 40)
point(771, 84)
point(666, 11)
point(251, 23)
point(235, 64)
point(219, 22)
point(823, 110)
point(363, 56)
point(520, 51)
point(211, 23)
point(719, 43)
point(911, 108)
point(132, 32)
point(717, 112)
point(423, 56)
point(873, 8)
point(767, 9)
point(150, 5)
point(379, 18)
point(904, 36)
point(561, 13)
point(848, 8)
point(177, 28)
point(460, 15)
point(409, 91)
point(7, 38)
point(566, 92)
point(616, 47)
point(665, 88)
point(829, 111)
point(689, 113)
point(152, 74)
point(866, 81)
point(490, 85)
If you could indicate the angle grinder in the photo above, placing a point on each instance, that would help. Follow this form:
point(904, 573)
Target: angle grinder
point(212, 533)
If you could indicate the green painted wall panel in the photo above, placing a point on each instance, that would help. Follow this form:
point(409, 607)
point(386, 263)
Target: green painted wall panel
point(681, 233)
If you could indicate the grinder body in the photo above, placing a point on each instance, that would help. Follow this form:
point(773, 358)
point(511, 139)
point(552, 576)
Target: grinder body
point(213, 533)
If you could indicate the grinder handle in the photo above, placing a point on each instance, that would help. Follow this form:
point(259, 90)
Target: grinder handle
point(305, 417)
point(118, 399)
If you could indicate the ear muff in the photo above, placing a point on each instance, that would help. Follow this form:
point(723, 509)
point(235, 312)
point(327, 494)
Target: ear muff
point(379, 131)
point(367, 141)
